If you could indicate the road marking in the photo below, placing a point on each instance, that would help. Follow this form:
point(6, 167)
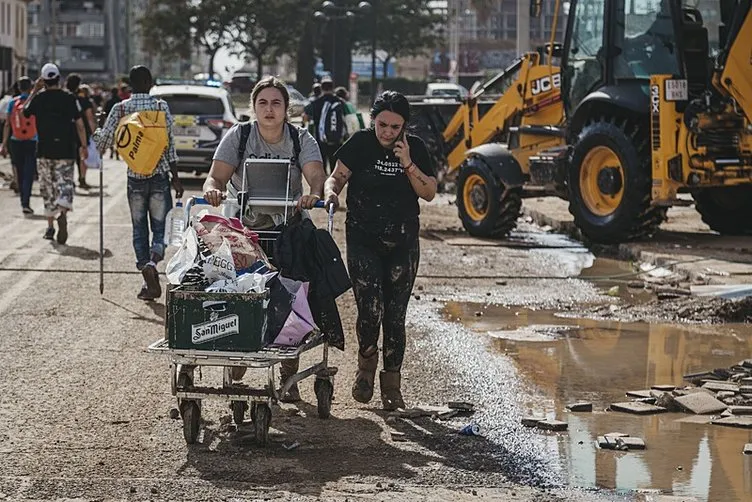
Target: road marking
point(28, 278)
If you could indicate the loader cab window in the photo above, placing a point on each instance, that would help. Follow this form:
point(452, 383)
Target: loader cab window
point(644, 39)
point(585, 64)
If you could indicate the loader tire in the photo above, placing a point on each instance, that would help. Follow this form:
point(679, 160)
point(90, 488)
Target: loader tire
point(610, 183)
point(726, 210)
point(485, 207)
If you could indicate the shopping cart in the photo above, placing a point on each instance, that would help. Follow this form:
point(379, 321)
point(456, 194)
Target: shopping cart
point(189, 312)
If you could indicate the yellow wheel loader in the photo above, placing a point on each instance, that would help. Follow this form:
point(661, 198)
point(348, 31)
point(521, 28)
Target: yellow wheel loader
point(649, 99)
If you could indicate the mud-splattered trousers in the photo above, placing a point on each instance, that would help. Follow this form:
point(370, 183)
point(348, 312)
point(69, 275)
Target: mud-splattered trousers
point(382, 270)
point(56, 184)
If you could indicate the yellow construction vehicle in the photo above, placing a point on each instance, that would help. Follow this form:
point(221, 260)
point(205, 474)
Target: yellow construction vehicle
point(651, 98)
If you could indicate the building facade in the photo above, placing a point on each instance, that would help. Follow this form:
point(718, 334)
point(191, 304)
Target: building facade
point(13, 36)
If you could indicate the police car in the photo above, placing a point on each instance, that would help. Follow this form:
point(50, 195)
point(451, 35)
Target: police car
point(202, 114)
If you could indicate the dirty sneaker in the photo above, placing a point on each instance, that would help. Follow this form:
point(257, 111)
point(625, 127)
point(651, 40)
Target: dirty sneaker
point(27, 210)
point(49, 234)
point(151, 277)
point(144, 293)
point(62, 228)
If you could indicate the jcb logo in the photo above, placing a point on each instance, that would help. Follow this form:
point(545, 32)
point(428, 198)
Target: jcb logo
point(655, 99)
point(545, 84)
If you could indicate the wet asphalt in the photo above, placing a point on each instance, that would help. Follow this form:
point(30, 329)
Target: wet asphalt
point(86, 408)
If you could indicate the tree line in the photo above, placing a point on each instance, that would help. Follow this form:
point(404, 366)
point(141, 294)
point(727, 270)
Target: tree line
point(262, 30)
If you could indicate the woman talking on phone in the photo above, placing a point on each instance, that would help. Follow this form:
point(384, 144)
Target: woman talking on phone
point(387, 171)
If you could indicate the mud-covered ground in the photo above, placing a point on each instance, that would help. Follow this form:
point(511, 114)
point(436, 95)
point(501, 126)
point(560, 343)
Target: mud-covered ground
point(85, 409)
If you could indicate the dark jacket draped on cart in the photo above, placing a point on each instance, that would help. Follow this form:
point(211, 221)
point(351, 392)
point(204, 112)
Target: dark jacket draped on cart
point(304, 253)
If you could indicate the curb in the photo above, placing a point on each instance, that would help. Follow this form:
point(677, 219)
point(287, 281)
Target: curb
point(627, 251)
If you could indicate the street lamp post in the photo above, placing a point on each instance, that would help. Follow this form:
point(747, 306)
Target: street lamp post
point(330, 10)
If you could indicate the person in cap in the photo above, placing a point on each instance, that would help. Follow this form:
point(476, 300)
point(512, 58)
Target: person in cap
point(60, 133)
point(387, 170)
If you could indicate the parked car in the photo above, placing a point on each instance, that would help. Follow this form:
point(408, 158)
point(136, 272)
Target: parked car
point(446, 90)
point(242, 83)
point(202, 114)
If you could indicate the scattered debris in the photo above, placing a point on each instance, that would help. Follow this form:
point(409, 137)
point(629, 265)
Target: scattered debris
point(668, 401)
point(639, 393)
point(398, 436)
point(700, 403)
point(174, 413)
point(461, 406)
point(747, 449)
point(581, 406)
point(441, 412)
point(614, 291)
point(721, 386)
point(292, 446)
point(552, 425)
point(664, 388)
point(621, 442)
point(740, 410)
point(743, 421)
point(470, 430)
point(636, 408)
point(531, 421)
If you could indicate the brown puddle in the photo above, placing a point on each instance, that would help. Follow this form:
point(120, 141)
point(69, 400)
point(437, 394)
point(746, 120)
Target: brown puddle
point(569, 360)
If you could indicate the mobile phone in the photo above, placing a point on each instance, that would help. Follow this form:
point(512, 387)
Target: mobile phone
point(400, 137)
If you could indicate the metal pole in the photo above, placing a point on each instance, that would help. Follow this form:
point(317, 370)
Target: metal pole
point(53, 29)
point(373, 54)
point(523, 27)
point(334, 51)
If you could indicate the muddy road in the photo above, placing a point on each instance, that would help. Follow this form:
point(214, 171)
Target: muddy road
point(513, 329)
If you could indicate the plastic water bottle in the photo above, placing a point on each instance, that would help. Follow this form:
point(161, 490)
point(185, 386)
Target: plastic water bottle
point(175, 225)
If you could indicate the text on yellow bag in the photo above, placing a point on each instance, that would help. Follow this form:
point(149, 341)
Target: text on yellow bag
point(141, 140)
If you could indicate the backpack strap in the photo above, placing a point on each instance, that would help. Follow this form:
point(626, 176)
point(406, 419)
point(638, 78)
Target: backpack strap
point(245, 131)
point(295, 135)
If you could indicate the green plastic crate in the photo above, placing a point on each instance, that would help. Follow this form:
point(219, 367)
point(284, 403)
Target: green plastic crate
point(199, 320)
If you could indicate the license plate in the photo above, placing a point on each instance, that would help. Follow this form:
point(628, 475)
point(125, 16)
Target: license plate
point(187, 131)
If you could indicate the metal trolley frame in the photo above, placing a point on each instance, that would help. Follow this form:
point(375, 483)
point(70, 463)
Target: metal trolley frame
point(243, 397)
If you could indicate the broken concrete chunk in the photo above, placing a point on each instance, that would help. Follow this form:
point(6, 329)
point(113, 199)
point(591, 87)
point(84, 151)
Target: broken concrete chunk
point(581, 406)
point(725, 394)
point(616, 434)
point(639, 393)
point(701, 404)
point(461, 405)
point(668, 401)
point(700, 376)
point(747, 363)
point(745, 389)
point(745, 421)
point(637, 408)
point(747, 449)
point(721, 386)
point(740, 410)
point(648, 400)
point(531, 421)
point(552, 425)
point(621, 443)
point(746, 380)
point(398, 436)
point(664, 388)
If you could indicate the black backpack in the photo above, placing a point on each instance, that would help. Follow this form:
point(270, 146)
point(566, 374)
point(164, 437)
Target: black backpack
point(332, 123)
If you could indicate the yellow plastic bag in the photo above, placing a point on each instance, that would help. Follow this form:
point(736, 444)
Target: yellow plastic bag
point(141, 140)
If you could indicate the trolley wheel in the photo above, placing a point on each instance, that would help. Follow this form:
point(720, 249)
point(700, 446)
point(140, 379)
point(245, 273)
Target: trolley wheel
point(324, 392)
point(191, 420)
point(261, 421)
point(238, 412)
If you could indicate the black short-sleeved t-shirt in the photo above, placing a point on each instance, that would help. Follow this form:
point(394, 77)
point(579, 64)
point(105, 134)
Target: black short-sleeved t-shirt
point(85, 104)
point(379, 194)
point(56, 111)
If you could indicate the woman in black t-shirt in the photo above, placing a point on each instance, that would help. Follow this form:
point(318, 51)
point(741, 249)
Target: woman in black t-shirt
point(387, 171)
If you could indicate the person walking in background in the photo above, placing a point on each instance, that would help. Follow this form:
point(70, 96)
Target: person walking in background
point(73, 84)
point(20, 138)
point(353, 119)
point(149, 196)
point(60, 132)
point(108, 106)
point(329, 123)
point(388, 171)
point(8, 95)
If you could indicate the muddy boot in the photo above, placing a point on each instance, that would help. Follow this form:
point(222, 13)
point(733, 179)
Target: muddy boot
point(362, 390)
point(288, 368)
point(391, 395)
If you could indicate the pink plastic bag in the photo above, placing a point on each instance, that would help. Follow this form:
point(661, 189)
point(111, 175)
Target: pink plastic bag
point(300, 321)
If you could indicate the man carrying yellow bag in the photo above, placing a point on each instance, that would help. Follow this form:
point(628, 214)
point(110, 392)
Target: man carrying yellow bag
point(141, 128)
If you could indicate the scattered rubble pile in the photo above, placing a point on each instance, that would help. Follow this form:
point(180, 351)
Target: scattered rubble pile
point(726, 392)
point(707, 310)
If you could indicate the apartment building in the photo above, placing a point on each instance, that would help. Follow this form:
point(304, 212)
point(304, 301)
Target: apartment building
point(13, 35)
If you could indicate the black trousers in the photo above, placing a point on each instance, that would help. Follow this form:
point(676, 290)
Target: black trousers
point(327, 156)
point(383, 274)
